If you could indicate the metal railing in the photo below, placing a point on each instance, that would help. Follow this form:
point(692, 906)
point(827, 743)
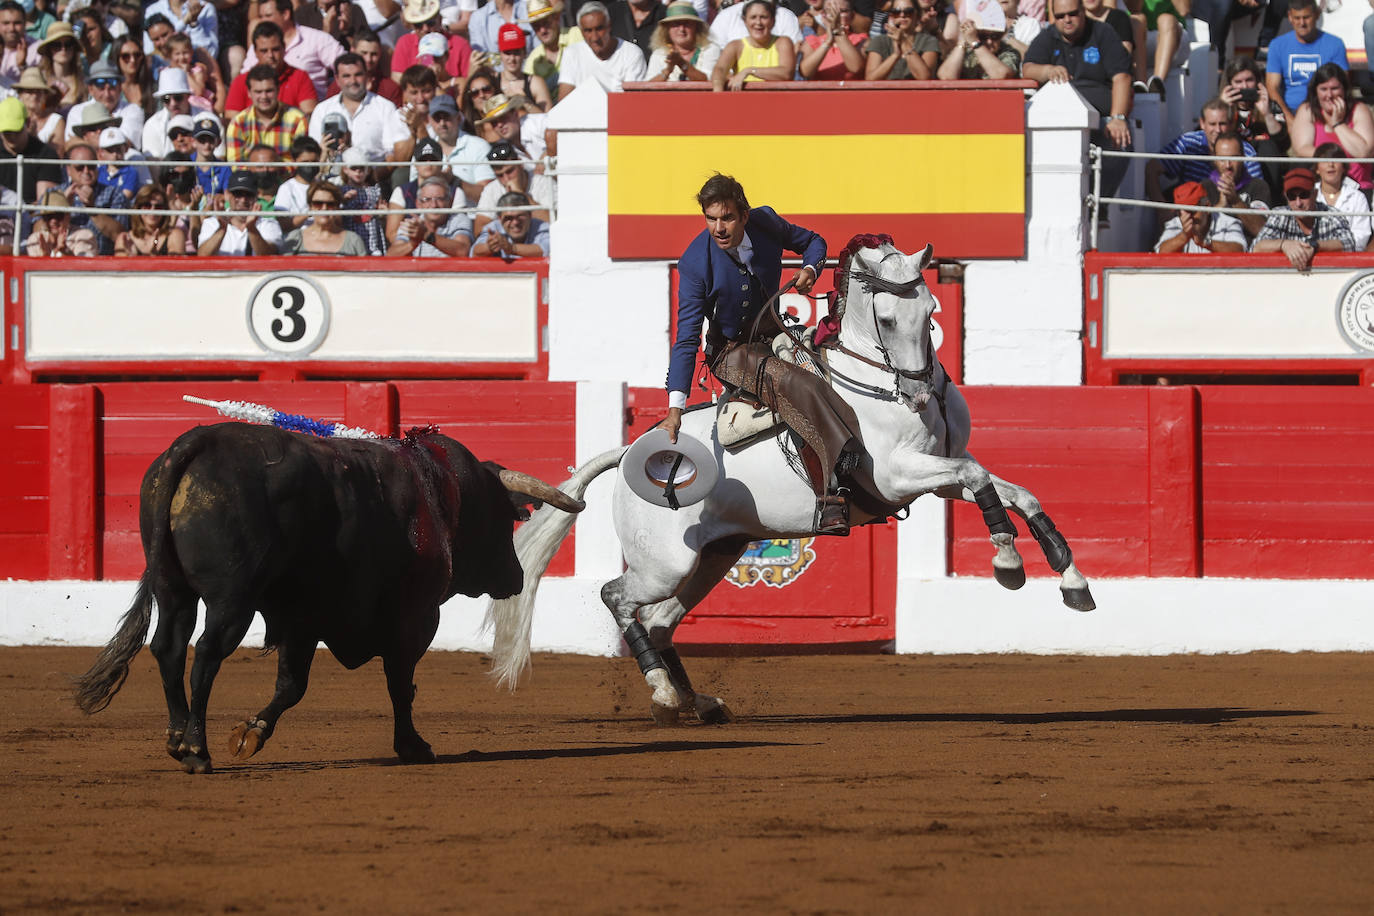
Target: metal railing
point(1097, 154)
point(327, 168)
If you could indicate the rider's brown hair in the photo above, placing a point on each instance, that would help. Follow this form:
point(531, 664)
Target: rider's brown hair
point(722, 189)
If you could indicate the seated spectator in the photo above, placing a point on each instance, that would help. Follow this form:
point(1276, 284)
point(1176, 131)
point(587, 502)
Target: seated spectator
point(511, 176)
point(418, 87)
point(635, 21)
point(428, 156)
point(514, 80)
point(433, 53)
point(515, 234)
point(600, 54)
point(1328, 116)
point(466, 153)
point(438, 235)
point(359, 118)
point(138, 85)
point(1197, 231)
point(266, 177)
point(82, 189)
point(485, 24)
point(1022, 28)
point(902, 52)
point(91, 33)
point(1340, 192)
point(1295, 56)
point(758, 56)
point(682, 49)
point(294, 86)
point(180, 135)
point(1165, 18)
point(267, 121)
point(728, 24)
point(507, 120)
point(53, 236)
point(157, 28)
point(837, 53)
point(243, 233)
point(1295, 232)
point(341, 20)
point(16, 51)
point(103, 83)
point(369, 47)
point(1213, 122)
point(17, 140)
point(150, 234)
point(481, 86)
point(1236, 188)
point(424, 18)
point(40, 101)
point(551, 40)
point(1258, 118)
point(293, 193)
point(202, 72)
point(183, 193)
point(212, 178)
point(324, 233)
point(936, 19)
point(306, 49)
point(198, 20)
point(175, 93)
point(982, 52)
point(361, 192)
point(62, 66)
point(113, 148)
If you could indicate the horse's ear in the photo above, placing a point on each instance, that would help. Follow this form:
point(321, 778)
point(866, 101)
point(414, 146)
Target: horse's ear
point(926, 256)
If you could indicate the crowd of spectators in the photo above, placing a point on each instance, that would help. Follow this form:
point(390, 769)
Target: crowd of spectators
point(272, 126)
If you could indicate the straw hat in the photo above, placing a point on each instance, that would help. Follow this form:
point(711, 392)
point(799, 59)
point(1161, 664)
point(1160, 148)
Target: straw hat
point(542, 9)
point(417, 11)
point(682, 11)
point(495, 107)
point(58, 31)
point(32, 78)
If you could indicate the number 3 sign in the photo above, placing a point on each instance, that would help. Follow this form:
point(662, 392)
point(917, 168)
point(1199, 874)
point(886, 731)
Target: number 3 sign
point(288, 314)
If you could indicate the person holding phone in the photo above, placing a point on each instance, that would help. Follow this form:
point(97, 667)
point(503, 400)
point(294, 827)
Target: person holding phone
point(1258, 118)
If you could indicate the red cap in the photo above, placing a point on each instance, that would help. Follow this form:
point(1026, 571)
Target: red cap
point(1299, 178)
point(510, 38)
point(1190, 194)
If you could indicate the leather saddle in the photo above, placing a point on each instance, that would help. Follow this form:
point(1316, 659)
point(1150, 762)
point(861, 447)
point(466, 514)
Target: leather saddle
point(741, 419)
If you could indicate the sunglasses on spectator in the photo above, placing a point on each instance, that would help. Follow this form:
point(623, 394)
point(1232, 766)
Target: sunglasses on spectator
point(242, 195)
point(105, 83)
point(1298, 194)
point(1069, 13)
point(66, 43)
point(484, 89)
point(902, 11)
point(512, 217)
point(137, 55)
point(178, 134)
point(327, 203)
point(176, 97)
point(153, 205)
point(87, 167)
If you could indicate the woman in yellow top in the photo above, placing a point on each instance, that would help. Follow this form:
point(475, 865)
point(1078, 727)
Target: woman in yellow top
point(760, 55)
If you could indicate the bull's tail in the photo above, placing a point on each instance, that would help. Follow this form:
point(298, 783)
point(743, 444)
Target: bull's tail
point(97, 687)
point(535, 544)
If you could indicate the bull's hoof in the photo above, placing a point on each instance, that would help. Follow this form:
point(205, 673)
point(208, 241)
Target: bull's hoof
point(247, 738)
point(415, 750)
point(714, 712)
point(175, 749)
point(1012, 578)
point(665, 715)
point(1080, 599)
point(196, 764)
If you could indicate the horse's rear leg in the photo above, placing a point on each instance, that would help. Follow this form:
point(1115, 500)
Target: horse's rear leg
point(663, 618)
point(625, 597)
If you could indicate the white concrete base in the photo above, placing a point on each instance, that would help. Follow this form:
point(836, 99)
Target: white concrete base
point(1137, 617)
point(569, 617)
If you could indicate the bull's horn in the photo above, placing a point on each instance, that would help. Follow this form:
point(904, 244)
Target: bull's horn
point(517, 482)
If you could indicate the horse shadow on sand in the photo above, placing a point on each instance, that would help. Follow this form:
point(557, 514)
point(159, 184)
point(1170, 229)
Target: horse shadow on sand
point(1188, 715)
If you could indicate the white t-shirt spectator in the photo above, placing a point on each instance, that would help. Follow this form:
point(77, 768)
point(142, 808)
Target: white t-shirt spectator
point(627, 65)
point(291, 197)
point(235, 241)
point(729, 25)
point(1223, 229)
point(376, 126)
point(541, 192)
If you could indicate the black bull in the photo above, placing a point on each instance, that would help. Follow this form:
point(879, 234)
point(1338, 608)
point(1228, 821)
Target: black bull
point(353, 543)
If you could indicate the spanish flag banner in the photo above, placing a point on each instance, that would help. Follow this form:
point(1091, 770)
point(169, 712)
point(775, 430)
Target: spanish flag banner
point(939, 165)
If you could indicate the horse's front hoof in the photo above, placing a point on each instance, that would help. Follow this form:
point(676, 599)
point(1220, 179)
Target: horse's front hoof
point(414, 749)
point(715, 713)
point(247, 738)
point(1080, 599)
point(1010, 578)
point(197, 764)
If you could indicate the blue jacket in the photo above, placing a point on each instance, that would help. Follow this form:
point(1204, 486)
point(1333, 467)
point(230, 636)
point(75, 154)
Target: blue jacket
point(712, 285)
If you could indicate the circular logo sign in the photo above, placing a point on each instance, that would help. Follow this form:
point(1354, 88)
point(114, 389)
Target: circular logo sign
point(1355, 312)
point(288, 315)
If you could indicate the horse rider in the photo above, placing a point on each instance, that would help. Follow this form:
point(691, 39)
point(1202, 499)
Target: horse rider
point(729, 274)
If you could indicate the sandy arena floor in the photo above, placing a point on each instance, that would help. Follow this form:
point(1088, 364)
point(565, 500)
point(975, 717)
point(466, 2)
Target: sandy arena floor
point(852, 784)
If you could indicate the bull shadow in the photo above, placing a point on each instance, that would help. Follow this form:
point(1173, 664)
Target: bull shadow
point(1195, 715)
point(475, 756)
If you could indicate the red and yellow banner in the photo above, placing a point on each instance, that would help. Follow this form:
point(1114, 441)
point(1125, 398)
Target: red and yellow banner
point(945, 166)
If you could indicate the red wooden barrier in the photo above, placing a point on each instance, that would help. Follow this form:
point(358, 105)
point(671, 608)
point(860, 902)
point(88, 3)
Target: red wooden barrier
point(25, 517)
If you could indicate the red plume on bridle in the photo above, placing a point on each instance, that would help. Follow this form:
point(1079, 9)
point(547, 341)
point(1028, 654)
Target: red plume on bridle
point(829, 326)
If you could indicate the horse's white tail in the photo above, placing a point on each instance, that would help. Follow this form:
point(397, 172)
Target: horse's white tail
point(535, 544)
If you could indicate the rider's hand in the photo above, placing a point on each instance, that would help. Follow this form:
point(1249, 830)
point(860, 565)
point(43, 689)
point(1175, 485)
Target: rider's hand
point(673, 423)
point(804, 280)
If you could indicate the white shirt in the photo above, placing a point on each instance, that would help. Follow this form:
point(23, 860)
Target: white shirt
point(1224, 228)
point(130, 120)
point(291, 197)
point(235, 241)
point(376, 126)
point(627, 64)
point(729, 25)
point(155, 142)
point(1352, 200)
point(541, 192)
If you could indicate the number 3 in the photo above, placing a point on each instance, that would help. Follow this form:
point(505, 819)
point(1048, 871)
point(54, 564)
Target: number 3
point(290, 300)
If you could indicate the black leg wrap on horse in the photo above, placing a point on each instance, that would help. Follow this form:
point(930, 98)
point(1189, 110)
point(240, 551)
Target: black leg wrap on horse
point(1057, 552)
point(994, 513)
point(642, 649)
point(674, 664)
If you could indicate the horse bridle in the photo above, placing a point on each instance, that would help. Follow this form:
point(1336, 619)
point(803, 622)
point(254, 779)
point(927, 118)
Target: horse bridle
point(870, 283)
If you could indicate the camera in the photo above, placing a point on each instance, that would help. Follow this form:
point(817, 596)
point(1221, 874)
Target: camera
point(181, 180)
point(1248, 95)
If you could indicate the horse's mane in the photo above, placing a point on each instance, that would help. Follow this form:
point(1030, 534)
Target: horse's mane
point(830, 325)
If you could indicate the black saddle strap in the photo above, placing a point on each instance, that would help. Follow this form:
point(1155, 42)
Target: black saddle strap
point(670, 488)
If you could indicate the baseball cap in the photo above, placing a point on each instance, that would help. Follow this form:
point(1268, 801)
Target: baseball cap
point(510, 38)
point(1299, 178)
point(1190, 194)
point(429, 150)
point(13, 115)
point(180, 122)
point(111, 137)
point(354, 156)
point(503, 151)
point(242, 181)
point(443, 104)
point(432, 45)
point(205, 128)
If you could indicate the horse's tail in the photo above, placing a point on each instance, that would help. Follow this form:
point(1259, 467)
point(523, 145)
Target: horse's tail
point(97, 687)
point(535, 544)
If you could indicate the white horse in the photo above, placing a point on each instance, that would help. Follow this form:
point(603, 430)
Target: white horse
point(915, 426)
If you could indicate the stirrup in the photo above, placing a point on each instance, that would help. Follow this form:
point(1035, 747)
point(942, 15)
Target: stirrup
point(832, 514)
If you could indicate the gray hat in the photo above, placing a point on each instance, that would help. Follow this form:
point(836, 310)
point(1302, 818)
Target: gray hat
point(103, 70)
point(93, 115)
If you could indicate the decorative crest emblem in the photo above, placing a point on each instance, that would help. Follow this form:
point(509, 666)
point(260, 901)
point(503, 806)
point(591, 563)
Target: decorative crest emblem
point(1355, 312)
point(776, 562)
